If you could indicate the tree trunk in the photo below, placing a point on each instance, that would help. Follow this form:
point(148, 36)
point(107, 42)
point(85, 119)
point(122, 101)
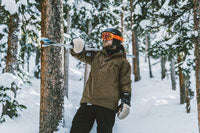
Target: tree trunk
point(187, 95)
point(173, 74)
point(149, 61)
point(122, 18)
point(66, 78)
point(135, 48)
point(197, 54)
point(163, 69)
point(11, 59)
point(66, 68)
point(181, 81)
point(52, 67)
point(136, 68)
point(28, 62)
point(146, 49)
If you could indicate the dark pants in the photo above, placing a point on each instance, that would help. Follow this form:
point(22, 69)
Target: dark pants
point(86, 115)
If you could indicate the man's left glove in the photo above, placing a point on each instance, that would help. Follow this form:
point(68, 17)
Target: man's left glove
point(78, 45)
point(124, 107)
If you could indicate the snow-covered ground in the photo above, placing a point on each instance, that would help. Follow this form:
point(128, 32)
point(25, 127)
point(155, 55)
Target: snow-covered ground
point(155, 106)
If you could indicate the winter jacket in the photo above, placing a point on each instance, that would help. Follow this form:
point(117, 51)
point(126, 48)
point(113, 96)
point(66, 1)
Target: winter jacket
point(108, 77)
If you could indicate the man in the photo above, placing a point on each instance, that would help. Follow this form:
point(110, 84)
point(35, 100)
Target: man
point(109, 81)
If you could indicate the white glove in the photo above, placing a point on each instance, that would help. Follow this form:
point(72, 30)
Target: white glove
point(123, 111)
point(124, 108)
point(78, 45)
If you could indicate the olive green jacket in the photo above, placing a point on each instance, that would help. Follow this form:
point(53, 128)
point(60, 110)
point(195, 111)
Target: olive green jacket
point(108, 77)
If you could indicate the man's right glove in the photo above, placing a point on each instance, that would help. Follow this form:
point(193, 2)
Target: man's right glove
point(78, 45)
point(124, 107)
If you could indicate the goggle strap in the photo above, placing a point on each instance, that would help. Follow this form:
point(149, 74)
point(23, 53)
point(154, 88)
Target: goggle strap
point(118, 37)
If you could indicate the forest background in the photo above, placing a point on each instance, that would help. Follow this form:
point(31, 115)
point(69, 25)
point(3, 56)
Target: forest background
point(160, 31)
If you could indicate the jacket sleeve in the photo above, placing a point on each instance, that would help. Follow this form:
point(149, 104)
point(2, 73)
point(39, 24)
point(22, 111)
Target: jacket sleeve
point(125, 77)
point(83, 56)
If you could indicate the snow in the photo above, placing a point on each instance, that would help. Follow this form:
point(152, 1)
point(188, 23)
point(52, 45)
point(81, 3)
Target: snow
point(183, 3)
point(5, 36)
point(155, 107)
point(2, 27)
point(165, 9)
point(160, 35)
point(6, 79)
point(28, 122)
point(10, 5)
point(166, 4)
point(145, 23)
point(138, 10)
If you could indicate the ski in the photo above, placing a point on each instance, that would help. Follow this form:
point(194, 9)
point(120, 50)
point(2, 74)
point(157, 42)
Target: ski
point(48, 42)
point(130, 56)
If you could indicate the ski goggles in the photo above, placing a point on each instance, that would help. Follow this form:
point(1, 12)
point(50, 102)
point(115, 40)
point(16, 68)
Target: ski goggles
point(110, 36)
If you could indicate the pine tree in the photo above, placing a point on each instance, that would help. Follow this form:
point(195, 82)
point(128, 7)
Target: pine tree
point(135, 46)
point(173, 73)
point(181, 79)
point(11, 61)
point(163, 69)
point(29, 41)
point(13, 20)
point(149, 61)
point(3, 37)
point(175, 25)
point(196, 9)
point(52, 67)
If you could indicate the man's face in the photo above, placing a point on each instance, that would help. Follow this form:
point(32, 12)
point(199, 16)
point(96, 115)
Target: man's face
point(107, 43)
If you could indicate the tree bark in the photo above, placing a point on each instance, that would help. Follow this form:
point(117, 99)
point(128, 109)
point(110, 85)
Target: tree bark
point(28, 62)
point(149, 61)
point(11, 59)
point(135, 48)
point(136, 68)
point(181, 81)
point(52, 67)
point(66, 68)
point(173, 74)
point(146, 49)
point(187, 96)
point(197, 54)
point(163, 69)
point(122, 17)
point(66, 85)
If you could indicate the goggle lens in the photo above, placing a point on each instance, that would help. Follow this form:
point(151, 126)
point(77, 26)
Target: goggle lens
point(110, 36)
point(107, 36)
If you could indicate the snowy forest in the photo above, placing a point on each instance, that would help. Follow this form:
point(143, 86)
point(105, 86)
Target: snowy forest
point(41, 87)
